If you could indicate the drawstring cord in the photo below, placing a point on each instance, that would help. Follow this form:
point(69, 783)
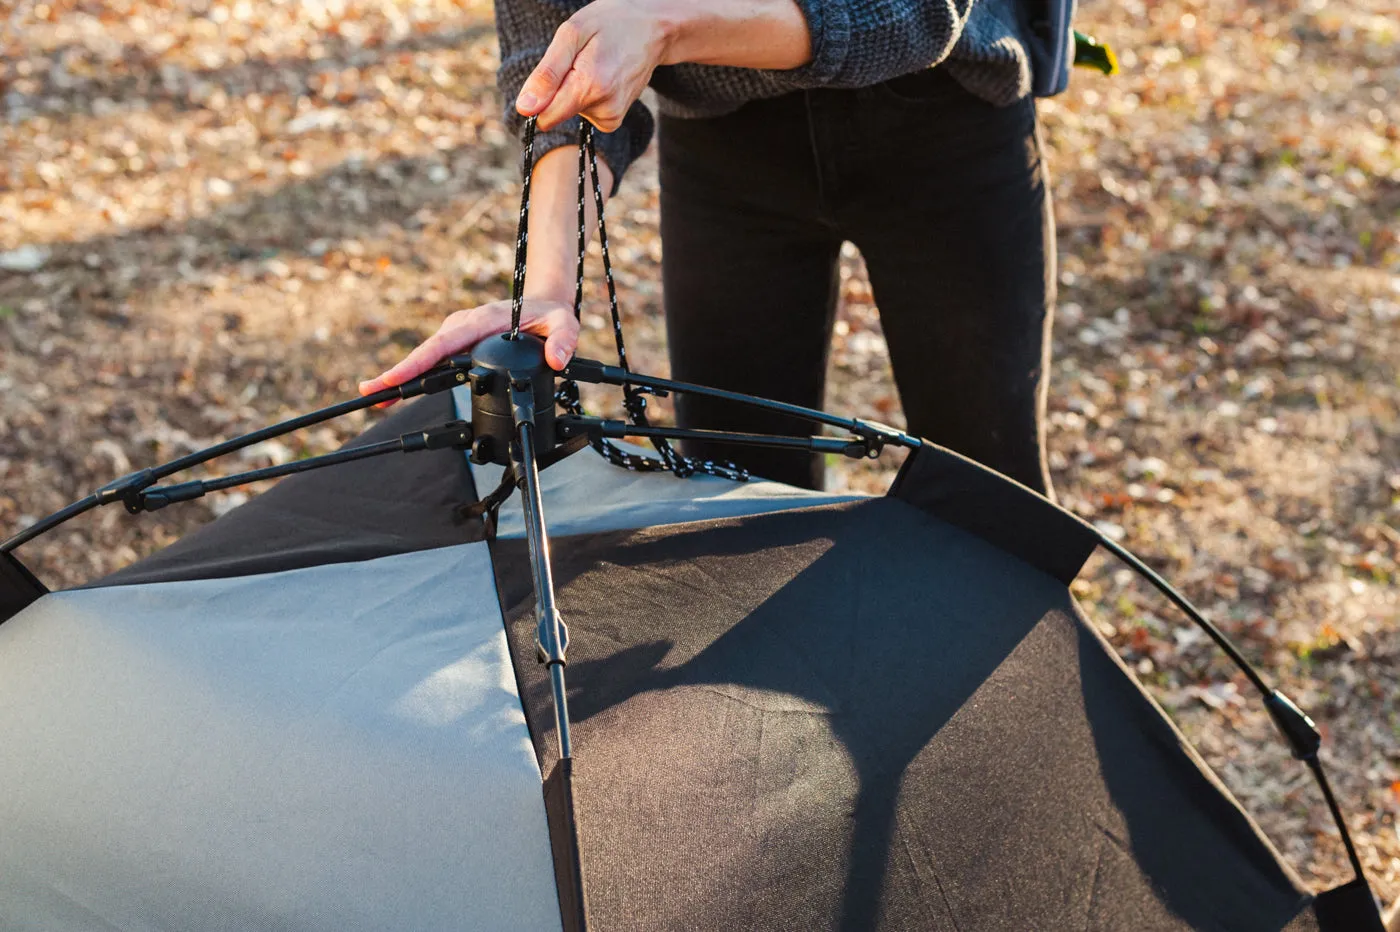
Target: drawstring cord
point(634, 396)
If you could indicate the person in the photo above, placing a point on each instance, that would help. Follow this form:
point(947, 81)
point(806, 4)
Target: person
point(786, 128)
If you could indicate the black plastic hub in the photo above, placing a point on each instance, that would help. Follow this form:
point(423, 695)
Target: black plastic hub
point(497, 362)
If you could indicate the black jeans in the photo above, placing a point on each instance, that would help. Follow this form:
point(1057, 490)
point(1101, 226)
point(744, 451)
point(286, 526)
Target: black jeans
point(944, 194)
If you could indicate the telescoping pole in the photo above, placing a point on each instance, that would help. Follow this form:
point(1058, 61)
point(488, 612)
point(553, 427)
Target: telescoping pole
point(513, 425)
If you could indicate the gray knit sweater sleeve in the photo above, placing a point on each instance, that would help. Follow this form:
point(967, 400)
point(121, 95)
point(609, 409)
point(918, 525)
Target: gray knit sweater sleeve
point(524, 29)
point(855, 43)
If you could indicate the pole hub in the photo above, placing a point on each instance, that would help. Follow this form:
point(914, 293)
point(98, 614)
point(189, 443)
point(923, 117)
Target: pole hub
point(497, 363)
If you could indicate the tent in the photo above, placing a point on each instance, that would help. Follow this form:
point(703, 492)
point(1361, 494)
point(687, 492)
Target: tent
point(370, 699)
point(790, 710)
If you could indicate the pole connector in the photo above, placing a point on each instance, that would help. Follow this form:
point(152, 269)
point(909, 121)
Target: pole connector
point(1300, 730)
point(455, 435)
point(511, 384)
point(127, 490)
point(547, 650)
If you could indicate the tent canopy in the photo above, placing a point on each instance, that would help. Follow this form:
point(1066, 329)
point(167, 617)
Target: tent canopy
point(791, 710)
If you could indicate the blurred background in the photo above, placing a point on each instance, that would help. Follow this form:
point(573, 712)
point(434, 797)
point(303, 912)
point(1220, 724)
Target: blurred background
point(217, 214)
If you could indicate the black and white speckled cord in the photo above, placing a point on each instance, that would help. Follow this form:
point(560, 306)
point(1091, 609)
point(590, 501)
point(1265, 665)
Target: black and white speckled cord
point(634, 397)
point(522, 232)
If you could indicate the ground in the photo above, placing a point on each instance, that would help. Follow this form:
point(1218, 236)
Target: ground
point(214, 215)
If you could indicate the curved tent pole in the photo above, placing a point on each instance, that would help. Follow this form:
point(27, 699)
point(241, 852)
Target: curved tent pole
point(129, 489)
point(526, 452)
point(1297, 727)
point(137, 493)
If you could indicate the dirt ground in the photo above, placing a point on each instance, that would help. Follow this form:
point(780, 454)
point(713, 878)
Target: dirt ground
point(217, 214)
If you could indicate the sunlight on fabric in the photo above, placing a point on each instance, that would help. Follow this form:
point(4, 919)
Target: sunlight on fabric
point(454, 691)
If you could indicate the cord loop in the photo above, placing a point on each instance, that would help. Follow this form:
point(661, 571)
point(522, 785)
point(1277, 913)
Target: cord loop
point(567, 395)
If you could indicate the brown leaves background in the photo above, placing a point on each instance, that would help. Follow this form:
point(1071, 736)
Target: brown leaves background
point(217, 214)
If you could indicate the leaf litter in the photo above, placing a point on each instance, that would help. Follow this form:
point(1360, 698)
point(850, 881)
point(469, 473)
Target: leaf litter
point(218, 214)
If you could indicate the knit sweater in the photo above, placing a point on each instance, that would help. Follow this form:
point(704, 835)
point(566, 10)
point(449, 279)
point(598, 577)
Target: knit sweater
point(855, 43)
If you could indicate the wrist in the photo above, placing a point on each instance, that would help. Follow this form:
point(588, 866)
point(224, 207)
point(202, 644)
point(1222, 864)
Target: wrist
point(671, 23)
point(558, 291)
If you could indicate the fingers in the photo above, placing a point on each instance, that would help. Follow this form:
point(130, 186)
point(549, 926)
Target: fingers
point(576, 92)
point(465, 329)
point(458, 332)
point(544, 82)
point(420, 360)
point(602, 101)
point(423, 357)
point(560, 332)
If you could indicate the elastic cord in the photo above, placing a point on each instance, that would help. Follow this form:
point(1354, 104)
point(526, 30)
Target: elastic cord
point(522, 232)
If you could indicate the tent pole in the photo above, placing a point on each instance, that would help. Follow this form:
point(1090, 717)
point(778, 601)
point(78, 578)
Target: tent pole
point(129, 488)
point(590, 370)
point(854, 447)
point(552, 637)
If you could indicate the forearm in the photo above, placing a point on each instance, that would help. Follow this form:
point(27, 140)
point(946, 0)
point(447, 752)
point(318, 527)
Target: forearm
point(768, 34)
point(813, 43)
point(551, 255)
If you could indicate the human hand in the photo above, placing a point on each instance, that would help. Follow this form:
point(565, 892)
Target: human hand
point(599, 62)
point(552, 320)
point(602, 57)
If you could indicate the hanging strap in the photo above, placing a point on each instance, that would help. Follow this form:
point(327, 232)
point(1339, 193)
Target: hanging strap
point(634, 396)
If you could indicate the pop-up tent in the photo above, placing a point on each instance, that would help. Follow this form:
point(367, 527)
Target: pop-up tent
point(375, 698)
point(790, 710)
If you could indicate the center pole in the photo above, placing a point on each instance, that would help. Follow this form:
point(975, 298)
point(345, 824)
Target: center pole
point(513, 426)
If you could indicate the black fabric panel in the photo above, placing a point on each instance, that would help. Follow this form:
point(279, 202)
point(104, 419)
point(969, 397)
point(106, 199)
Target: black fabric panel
point(370, 508)
point(564, 844)
point(1349, 908)
point(18, 587)
point(859, 717)
point(1004, 513)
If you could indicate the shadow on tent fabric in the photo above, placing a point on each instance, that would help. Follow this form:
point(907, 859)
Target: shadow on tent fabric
point(859, 717)
point(794, 648)
point(1177, 781)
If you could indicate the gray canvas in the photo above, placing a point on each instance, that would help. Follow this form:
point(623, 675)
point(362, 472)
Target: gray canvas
point(585, 494)
point(334, 748)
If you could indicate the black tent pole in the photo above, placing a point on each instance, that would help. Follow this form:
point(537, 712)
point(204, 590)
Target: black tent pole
point(128, 488)
point(590, 370)
point(513, 419)
point(454, 434)
point(552, 635)
point(593, 427)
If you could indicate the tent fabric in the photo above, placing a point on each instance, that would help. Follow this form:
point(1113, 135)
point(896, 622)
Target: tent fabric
point(803, 711)
point(1004, 513)
point(18, 587)
point(856, 716)
point(338, 747)
point(1352, 907)
point(586, 494)
point(563, 836)
point(369, 508)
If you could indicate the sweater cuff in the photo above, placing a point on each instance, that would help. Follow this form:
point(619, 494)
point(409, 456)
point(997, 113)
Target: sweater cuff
point(619, 148)
point(829, 28)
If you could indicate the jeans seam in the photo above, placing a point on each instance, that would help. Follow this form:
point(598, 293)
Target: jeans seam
point(823, 206)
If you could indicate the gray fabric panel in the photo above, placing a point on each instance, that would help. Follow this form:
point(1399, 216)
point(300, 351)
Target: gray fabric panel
point(332, 748)
point(585, 494)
